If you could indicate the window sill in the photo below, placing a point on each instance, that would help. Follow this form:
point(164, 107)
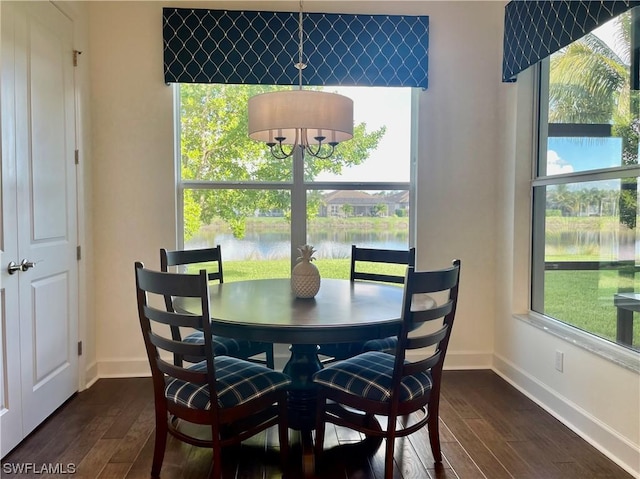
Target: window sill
point(619, 355)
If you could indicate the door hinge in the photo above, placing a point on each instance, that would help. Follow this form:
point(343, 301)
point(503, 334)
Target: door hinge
point(76, 156)
point(75, 57)
point(79, 253)
point(79, 348)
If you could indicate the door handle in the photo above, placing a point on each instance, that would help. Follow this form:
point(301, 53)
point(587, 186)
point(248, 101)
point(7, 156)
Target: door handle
point(25, 264)
point(13, 267)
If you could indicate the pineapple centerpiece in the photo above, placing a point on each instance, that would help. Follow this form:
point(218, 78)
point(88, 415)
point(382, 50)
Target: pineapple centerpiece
point(305, 277)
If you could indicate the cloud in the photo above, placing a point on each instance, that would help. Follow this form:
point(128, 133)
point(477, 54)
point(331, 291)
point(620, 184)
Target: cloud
point(556, 165)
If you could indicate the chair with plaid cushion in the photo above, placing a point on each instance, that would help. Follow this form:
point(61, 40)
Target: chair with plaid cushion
point(405, 384)
point(362, 269)
point(211, 258)
point(231, 398)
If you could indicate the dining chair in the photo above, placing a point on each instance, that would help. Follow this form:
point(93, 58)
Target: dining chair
point(400, 384)
point(228, 398)
point(362, 260)
point(212, 259)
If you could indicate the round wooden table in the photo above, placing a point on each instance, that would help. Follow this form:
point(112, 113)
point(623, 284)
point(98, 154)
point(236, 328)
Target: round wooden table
point(342, 311)
point(267, 310)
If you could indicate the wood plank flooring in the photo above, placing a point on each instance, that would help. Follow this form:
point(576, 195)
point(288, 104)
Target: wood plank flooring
point(488, 430)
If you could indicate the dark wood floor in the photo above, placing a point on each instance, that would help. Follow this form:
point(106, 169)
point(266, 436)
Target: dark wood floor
point(489, 430)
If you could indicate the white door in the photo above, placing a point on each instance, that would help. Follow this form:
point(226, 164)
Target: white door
point(40, 318)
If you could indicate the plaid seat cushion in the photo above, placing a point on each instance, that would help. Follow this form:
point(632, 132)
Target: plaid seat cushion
point(386, 344)
point(223, 346)
point(237, 381)
point(368, 375)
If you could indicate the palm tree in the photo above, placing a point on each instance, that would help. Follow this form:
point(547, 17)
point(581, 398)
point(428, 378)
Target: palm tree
point(561, 198)
point(589, 82)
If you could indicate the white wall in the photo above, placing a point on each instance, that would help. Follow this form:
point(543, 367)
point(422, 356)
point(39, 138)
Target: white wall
point(133, 180)
point(133, 183)
point(458, 159)
point(468, 185)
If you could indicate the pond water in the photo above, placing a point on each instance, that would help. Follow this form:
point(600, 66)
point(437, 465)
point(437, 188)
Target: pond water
point(276, 245)
point(601, 245)
point(336, 244)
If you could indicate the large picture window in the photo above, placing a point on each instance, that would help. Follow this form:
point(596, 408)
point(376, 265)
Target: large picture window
point(232, 192)
point(586, 246)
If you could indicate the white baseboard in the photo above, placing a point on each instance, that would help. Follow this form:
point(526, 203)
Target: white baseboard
point(616, 447)
point(91, 375)
point(124, 368)
point(468, 360)
point(139, 367)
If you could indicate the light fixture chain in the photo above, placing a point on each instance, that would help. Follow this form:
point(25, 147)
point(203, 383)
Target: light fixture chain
point(300, 65)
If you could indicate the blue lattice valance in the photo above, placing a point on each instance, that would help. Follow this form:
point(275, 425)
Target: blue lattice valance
point(220, 46)
point(534, 29)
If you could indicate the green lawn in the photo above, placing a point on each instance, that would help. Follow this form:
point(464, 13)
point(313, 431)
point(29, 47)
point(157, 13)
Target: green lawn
point(329, 268)
point(585, 299)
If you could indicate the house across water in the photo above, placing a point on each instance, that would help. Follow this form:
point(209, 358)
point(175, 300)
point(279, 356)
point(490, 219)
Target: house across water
point(344, 203)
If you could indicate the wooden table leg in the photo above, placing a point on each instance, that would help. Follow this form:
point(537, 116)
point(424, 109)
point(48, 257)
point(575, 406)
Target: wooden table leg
point(302, 400)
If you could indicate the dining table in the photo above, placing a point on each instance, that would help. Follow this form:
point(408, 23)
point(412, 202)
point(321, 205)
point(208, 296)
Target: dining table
point(267, 310)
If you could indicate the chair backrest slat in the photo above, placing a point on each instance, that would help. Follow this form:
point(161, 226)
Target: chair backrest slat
point(373, 255)
point(431, 314)
point(194, 350)
point(162, 284)
point(384, 278)
point(207, 257)
point(172, 319)
point(173, 371)
point(419, 366)
point(426, 340)
point(434, 281)
point(410, 359)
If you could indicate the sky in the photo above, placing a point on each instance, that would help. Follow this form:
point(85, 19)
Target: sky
point(569, 155)
point(379, 106)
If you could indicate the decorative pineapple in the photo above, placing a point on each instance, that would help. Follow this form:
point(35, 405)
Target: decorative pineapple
point(305, 277)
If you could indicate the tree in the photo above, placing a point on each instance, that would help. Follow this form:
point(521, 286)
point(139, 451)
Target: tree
point(379, 210)
point(586, 82)
point(589, 83)
point(347, 209)
point(215, 147)
point(561, 198)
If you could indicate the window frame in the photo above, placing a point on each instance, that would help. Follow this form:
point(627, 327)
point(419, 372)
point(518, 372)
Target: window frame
point(622, 355)
point(298, 186)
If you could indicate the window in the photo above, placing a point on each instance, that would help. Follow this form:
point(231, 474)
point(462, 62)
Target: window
point(259, 209)
point(586, 246)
